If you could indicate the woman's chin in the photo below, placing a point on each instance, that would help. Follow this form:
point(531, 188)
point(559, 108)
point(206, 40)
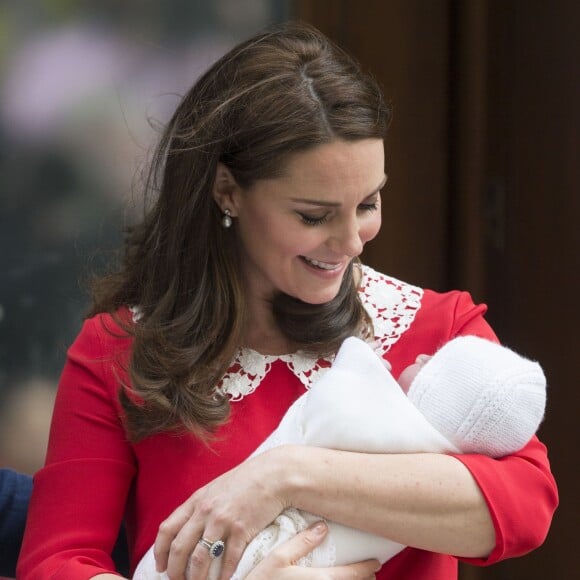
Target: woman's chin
point(317, 299)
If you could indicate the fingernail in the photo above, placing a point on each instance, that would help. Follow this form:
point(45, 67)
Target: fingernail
point(319, 528)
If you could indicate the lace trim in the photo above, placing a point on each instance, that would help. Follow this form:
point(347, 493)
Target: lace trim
point(392, 306)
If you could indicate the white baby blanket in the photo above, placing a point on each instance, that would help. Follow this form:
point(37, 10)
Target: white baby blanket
point(356, 406)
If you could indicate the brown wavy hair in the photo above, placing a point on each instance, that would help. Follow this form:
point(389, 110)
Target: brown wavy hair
point(284, 91)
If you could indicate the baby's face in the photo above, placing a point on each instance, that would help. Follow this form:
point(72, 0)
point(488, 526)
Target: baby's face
point(410, 372)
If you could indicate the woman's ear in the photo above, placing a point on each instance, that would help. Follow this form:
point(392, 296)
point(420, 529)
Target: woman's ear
point(226, 191)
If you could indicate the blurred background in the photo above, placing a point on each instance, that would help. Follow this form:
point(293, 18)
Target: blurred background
point(482, 157)
point(85, 88)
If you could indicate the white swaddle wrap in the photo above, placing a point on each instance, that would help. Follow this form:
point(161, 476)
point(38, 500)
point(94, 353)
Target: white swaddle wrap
point(356, 406)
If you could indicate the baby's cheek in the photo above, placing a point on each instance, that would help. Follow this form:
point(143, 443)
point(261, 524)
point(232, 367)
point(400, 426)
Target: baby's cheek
point(407, 376)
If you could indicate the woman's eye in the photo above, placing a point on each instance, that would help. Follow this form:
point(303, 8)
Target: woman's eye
point(316, 220)
point(312, 220)
point(369, 206)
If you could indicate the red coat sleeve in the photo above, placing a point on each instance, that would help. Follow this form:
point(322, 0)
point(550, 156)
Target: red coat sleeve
point(79, 496)
point(521, 495)
point(519, 489)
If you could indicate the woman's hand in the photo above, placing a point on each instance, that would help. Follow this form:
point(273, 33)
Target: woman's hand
point(280, 563)
point(232, 508)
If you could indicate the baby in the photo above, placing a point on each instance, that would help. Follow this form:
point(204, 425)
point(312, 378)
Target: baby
point(471, 396)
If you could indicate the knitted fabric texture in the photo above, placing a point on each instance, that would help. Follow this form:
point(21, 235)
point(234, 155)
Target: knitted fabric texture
point(483, 397)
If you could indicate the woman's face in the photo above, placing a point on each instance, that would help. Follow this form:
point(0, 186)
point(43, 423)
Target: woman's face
point(299, 232)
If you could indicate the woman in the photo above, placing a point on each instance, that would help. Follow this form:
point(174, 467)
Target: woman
point(236, 290)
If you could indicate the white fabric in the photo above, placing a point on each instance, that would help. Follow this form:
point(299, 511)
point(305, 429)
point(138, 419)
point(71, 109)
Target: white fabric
point(357, 406)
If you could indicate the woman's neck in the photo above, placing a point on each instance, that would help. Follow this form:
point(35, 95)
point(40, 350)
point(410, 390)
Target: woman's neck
point(261, 333)
point(266, 338)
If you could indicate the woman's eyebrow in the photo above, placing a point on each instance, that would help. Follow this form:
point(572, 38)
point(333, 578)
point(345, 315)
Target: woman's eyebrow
point(325, 203)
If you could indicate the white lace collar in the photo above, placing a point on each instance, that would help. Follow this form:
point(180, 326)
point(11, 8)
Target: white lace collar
point(392, 306)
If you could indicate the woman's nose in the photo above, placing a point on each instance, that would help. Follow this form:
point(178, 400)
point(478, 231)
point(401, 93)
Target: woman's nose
point(346, 239)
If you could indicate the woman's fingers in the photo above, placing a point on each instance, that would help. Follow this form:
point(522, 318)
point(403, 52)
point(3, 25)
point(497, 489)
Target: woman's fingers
point(224, 509)
point(168, 530)
point(301, 545)
point(186, 553)
point(179, 550)
point(200, 559)
point(235, 547)
point(280, 563)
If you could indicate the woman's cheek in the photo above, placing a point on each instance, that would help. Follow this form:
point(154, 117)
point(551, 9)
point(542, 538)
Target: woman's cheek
point(371, 229)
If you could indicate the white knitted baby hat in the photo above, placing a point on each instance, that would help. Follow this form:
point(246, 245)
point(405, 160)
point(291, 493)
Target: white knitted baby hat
point(483, 397)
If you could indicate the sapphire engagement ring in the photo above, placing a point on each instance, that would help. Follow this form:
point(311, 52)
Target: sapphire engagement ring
point(215, 549)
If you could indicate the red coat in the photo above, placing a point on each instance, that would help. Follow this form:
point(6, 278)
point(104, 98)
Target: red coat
point(94, 477)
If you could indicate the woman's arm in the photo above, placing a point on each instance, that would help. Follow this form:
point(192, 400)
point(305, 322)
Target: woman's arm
point(470, 506)
point(427, 501)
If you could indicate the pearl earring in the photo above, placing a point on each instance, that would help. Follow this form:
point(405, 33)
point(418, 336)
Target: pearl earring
point(227, 219)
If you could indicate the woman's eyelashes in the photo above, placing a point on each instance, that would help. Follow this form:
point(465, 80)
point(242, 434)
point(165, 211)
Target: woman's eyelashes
point(311, 220)
point(369, 206)
point(316, 220)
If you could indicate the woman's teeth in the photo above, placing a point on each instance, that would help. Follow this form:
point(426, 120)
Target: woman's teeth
point(321, 265)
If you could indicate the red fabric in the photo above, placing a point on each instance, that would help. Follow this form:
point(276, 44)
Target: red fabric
point(94, 477)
